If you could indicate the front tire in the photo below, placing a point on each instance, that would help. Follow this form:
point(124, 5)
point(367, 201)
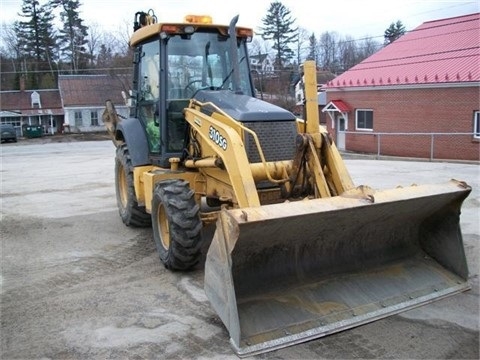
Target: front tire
point(131, 212)
point(176, 224)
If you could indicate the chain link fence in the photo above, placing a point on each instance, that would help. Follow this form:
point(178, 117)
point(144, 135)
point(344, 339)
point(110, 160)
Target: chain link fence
point(432, 146)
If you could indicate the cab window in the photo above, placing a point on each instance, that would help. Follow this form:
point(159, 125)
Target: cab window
point(148, 100)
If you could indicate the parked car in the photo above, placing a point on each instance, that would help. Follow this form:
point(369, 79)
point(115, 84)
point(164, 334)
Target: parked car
point(8, 133)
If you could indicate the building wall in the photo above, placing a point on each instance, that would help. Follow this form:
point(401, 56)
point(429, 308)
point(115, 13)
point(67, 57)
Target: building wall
point(420, 110)
point(86, 119)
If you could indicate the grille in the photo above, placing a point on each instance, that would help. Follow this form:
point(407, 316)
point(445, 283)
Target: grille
point(277, 140)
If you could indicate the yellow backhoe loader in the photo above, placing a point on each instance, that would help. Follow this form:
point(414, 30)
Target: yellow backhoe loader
point(299, 251)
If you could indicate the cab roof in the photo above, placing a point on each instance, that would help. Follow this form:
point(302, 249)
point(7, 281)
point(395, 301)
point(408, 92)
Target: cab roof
point(149, 31)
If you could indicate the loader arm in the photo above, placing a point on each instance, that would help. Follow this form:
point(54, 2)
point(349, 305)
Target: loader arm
point(329, 175)
point(227, 145)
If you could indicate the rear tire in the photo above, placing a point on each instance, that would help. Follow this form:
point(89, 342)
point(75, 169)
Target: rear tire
point(176, 224)
point(131, 212)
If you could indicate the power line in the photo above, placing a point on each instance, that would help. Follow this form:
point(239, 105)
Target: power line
point(68, 71)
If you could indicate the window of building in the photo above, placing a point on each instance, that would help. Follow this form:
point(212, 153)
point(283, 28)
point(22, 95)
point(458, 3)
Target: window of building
point(476, 124)
point(78, 118)
point(15, 121)
point(36, 100)
point(363, 119)
point(94, 118)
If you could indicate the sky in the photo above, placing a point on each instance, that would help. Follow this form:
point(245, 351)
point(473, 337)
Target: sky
point(356, 18)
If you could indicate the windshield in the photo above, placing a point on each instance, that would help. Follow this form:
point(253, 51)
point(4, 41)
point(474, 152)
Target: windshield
point(202, 61)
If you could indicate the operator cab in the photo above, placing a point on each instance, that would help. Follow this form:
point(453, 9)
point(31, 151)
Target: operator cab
point(172, 63)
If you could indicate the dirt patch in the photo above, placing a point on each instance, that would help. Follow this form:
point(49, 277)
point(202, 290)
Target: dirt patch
point(68, 137)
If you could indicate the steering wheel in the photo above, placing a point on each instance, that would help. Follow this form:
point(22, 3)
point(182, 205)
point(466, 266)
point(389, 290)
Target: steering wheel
point(189, 87)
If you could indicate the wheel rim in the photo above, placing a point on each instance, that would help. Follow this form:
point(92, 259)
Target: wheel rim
point(163, 229)
point(122, 186)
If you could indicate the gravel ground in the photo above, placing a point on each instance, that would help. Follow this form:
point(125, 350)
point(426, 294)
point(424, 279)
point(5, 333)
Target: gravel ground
point(77, 284)
point(68, 137)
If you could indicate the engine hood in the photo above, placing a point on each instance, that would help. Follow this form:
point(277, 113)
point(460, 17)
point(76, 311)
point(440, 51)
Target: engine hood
point(244, 108)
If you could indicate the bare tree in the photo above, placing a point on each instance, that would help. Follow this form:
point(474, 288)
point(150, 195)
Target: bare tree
point(94, 38)
point(257, 46)
point(367, 47)
point(260, 46)
point(9, 46)
point(348, 53)
point(122, 36)
point(328, 51)
point(9, 57)
point(302, 45)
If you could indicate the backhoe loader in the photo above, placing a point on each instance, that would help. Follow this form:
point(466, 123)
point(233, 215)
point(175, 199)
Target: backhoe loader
point(298, 251)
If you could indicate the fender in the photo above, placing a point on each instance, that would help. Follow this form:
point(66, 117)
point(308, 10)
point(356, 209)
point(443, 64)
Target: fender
point(133, 134)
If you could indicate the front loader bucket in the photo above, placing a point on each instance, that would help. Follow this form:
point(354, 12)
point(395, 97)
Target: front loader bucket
point(282, 274)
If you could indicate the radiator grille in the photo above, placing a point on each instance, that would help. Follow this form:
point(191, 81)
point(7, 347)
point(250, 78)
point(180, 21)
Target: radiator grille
point(277, 139)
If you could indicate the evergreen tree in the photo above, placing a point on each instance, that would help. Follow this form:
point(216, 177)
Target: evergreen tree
point(105, 56)
point(312, 48)
point(393, 32)
point(73, 34)
point(36, 41)
point(278, 26)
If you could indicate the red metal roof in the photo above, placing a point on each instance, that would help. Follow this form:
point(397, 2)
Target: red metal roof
point(15, 100)
point(339, 105)
point(20, 102)
point(440, 51)
point(92, 90)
